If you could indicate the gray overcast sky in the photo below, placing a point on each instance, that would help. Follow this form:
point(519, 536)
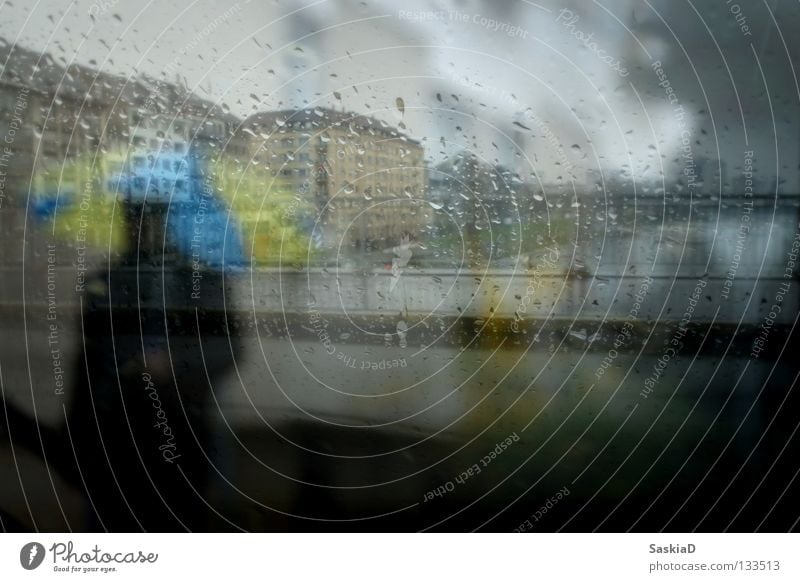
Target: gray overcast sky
point(454, 69)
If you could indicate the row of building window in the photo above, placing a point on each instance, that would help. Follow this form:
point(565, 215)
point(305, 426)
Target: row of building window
point(151, 162)
point(139, 185)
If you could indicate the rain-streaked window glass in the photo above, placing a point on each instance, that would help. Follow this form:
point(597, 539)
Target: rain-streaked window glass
point(447, 265)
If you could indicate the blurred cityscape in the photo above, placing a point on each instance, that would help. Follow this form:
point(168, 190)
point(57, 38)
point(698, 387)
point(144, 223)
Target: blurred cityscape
point(431, 261)
point(318, 188)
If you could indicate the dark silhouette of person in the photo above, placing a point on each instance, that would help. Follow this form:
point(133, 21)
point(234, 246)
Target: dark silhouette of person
point(156, 337)
point(152, 353)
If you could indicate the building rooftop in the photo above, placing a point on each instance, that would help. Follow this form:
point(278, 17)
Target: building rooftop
point(320, 118)
point(41, 73)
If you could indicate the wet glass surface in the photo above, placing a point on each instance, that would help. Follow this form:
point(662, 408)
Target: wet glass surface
point(455, 265)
